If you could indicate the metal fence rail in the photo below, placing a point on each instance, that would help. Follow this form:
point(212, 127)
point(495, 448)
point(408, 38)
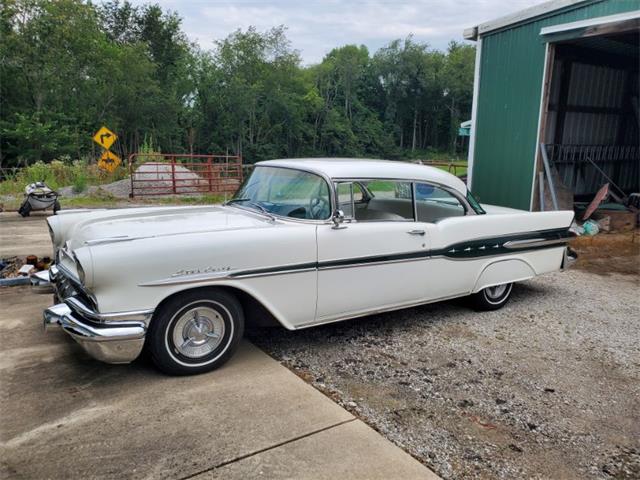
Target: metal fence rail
point(620, 162)
point(178, 174)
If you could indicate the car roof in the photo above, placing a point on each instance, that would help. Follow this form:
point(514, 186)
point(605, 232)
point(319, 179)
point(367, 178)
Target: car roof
point(357, 168)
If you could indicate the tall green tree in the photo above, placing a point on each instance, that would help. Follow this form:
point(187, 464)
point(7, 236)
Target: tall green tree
point(69, 66)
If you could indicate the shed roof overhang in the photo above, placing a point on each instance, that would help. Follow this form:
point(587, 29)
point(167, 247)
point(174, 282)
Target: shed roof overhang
point(622, 22)
point(521, 16)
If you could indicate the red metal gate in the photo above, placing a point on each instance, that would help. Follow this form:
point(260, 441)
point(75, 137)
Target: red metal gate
point(178, 174)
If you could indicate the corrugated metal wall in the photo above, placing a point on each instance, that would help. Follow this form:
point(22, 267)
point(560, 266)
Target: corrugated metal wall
point(508, 103)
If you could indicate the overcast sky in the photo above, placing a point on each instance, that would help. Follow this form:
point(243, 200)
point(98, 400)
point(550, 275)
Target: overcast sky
point(317, 26)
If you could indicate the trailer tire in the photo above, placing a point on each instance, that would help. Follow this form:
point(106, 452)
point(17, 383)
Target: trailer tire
point(25, 209)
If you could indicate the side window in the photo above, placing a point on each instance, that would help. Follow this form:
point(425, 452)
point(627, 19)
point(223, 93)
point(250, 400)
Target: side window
point(345, 198)
point(386, 200)
point(434, 203)
point(358, 194)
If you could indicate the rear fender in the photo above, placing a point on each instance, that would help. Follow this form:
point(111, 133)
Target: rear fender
point(504, 271)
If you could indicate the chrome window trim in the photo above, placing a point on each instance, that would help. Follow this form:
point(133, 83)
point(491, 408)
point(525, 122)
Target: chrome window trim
point(461, 198)
point(468, 209)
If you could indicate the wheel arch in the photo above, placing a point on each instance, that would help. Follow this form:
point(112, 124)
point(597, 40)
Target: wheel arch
point(507, 270)
point(256, 313)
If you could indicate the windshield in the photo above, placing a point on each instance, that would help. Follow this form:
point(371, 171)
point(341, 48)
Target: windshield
point(286, 192)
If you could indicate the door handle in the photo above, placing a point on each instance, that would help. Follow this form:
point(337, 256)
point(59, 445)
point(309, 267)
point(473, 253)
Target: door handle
point(416, 232)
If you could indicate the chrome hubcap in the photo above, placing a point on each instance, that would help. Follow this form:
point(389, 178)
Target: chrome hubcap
point(198, 332)
point(497, 291)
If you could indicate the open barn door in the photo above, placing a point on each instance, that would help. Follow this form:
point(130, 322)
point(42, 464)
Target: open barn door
point(589, 122)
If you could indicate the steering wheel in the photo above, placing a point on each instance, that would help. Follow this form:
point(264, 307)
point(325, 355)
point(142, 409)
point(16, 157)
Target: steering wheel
point(318, 208)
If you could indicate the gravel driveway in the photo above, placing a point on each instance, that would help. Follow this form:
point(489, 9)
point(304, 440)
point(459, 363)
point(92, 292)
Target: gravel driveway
point(547, 387)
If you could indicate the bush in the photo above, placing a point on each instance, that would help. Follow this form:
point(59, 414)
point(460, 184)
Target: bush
point(62, 172)
point(80, 183)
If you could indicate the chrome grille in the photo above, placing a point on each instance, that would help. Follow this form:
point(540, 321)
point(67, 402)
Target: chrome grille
point(66, 288)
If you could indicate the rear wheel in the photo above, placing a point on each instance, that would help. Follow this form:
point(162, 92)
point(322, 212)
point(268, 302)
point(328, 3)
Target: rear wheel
point(195, 332)
point(492, 298)
point(56, 207)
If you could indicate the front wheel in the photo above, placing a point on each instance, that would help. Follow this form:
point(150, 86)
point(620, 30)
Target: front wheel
point(492, 298)
point(195, 332)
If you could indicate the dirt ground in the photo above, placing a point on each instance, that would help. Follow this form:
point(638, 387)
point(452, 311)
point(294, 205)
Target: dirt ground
point(609, 253)
point(547, 387)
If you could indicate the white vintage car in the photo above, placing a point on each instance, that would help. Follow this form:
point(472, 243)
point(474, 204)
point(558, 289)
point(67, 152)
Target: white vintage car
point(304, 242)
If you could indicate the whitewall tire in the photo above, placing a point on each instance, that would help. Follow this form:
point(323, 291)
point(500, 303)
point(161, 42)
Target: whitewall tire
point(492, 298)
point(195, 331)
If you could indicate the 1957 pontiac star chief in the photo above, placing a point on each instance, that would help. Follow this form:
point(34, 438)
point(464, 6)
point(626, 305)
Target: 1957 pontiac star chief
point(304, 242)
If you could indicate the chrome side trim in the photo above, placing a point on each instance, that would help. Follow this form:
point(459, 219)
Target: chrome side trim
point(81, 309)
point(121, 238)
point(236, 274)
point(533, 242)
point(195, 278)
point(269, 274)
point(372, 264)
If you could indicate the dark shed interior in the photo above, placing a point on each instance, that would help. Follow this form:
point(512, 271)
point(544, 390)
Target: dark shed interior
point(592, 113)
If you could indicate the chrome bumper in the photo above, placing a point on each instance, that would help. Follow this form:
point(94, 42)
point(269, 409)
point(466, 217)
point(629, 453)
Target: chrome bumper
point(113, 342)
point(108, 337)
point(569, 258)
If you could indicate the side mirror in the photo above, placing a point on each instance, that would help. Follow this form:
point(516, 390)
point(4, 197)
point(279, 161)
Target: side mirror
point(338, 219)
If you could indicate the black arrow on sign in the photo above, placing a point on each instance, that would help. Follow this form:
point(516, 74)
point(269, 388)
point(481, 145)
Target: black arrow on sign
point(102, 137)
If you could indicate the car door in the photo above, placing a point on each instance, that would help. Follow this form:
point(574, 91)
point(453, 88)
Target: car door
point(436, 208)
point(376, 262)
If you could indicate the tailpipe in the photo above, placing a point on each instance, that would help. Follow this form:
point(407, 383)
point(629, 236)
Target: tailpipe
point(53, 316)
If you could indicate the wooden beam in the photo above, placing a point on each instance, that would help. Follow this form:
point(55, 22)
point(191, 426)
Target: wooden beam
point(592, 56)
point(565, 83)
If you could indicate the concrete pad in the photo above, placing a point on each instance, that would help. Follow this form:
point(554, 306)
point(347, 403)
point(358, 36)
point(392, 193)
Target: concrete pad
point(348, 451)
point(24, 236)
point(64, 415)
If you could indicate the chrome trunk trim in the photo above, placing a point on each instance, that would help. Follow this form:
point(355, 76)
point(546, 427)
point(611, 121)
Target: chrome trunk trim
point(533, 243)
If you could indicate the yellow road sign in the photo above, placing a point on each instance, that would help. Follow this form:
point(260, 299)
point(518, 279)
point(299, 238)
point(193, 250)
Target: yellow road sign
point(105, 137)
point(109, 161)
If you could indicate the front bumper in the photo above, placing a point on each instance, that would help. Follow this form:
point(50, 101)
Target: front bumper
point(113, 342)
point(108, 337)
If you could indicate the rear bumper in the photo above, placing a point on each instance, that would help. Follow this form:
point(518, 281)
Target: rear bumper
point(568, 258)
point(112, 342)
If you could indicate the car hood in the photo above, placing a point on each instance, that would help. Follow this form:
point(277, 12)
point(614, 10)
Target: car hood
point(109, 226)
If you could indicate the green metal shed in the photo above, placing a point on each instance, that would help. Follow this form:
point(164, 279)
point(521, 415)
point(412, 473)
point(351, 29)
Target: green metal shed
point(547, 75)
